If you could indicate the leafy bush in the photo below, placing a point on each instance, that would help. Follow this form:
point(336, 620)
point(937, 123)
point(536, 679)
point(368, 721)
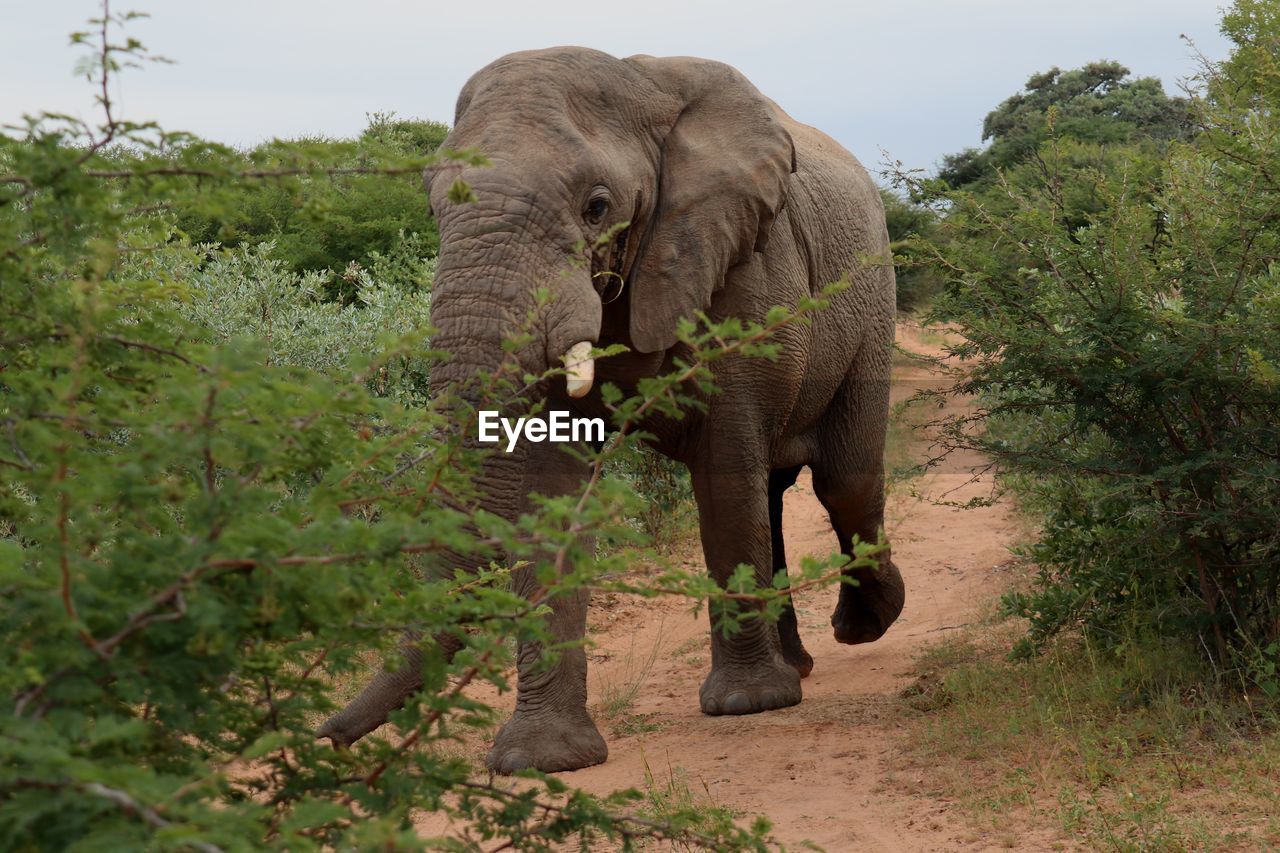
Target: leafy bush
point(916, 279)
point(1129, 349)
point(322, 225)
point(245, 292)
point(666, 513)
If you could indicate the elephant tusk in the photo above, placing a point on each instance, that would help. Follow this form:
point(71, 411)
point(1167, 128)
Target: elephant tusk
point(580, 369)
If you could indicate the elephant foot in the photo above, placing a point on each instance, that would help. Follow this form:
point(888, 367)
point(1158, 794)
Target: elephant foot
point(547, 743)
point(864, 612)
point(768, 685)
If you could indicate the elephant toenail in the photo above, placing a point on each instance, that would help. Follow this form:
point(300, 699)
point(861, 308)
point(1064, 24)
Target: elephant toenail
point(737, 702)
point(514, 760)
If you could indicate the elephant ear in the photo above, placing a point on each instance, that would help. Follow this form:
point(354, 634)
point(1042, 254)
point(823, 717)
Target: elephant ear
point(724, 169)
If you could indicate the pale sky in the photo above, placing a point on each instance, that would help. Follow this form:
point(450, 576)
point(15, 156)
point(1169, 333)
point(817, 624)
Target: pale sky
point(914, 77)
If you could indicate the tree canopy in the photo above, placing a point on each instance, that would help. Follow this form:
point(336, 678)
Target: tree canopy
point(1099, 103)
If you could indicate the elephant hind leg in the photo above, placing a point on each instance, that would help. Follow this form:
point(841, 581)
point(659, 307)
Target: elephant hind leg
point(793, 651)
point(848, 478)
point(865, 610)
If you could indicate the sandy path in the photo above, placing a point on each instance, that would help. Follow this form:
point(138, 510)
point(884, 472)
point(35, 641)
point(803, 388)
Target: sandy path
point(824, 770)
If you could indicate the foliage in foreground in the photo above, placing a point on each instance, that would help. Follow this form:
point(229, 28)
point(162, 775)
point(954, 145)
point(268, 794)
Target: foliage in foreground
point(1127, 355)
point(202, 530)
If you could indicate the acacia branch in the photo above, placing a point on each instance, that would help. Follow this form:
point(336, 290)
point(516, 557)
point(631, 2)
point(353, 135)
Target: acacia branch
point(628, 826)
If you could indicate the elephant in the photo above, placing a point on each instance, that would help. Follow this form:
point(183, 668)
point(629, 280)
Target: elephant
point(708, 198)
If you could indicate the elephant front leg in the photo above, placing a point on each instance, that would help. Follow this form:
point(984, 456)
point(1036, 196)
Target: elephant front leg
point(748, 672)
point(551, 729)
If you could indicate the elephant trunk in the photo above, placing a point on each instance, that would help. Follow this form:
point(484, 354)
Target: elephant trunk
point(483, 296)
point(501, 486)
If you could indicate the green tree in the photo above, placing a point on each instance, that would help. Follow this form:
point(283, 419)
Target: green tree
point(1073, 132)
point(1126, 354)
point(1099, 104)
point(325, 225)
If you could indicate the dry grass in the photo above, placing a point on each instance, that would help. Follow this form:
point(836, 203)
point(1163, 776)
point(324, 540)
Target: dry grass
point(619, 687)
point(1112, 751)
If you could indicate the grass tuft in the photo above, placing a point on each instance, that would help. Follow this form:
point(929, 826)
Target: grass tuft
point(618, 692)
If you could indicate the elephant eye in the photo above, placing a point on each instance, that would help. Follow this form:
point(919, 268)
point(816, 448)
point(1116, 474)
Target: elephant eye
point(596, 209)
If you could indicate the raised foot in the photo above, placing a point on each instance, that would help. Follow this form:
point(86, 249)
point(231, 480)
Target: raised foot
point(739, 690)
point(547, 743)
point(866, 611)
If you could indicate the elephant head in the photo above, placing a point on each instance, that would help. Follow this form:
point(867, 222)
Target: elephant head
point(680, 160)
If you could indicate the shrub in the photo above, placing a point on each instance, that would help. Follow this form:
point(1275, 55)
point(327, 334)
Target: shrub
point(666, 513)
point(916, 279)
point(323, 224)
point(1129, 347)
point(245, 292)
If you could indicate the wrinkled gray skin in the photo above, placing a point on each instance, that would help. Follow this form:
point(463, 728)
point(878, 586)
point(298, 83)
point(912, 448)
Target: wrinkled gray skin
point(733, 207)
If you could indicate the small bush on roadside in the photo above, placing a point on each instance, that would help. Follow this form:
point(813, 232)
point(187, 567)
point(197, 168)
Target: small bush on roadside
point(666, 512)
